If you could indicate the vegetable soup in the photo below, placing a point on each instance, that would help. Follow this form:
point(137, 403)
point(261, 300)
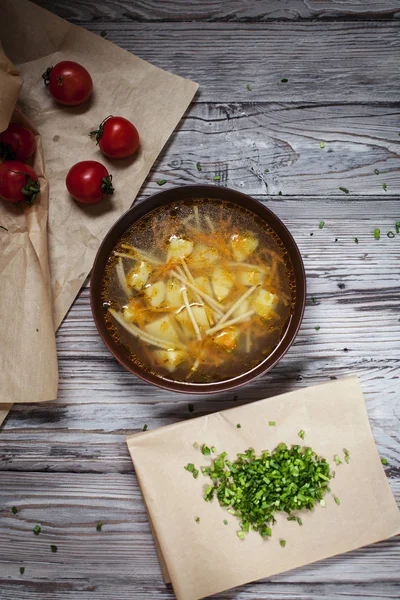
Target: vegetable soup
point(199, 291)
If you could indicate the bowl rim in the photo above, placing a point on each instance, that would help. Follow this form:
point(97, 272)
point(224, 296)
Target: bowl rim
point(189, 192)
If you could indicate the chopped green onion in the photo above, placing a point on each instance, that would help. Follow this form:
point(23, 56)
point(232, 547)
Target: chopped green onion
point(195, 445)
point(14, 510)
point(195, 473)
point(356, 240)
point(282, 543)
point(321, 224)
point(190, 407)
point(37, 529)
point(144, 427)
point(336, 499)
point(103, 33)
point(390, 234)
point(376, 171)
point(217, 178)
point(238, 425)
point(345, 190)
point(313, 300)
point(317, 328)
point(189, 467)
point(272, 423)
point(161, 181)
point(198, 166)
point(266, 171)
point(346, 455)
point(22, 570)
point(337, 459)
point(213, 449)
point(384, 461)
point(225, 522)
point(240, 535)
point(284, 80)
point(384, 187)
point(99, 526)
point(322, 503)
point(205, 450)
point(397, 226)
point(53, 548)
point(293, 518)
point(249, 87)
point(300, 522)
point(301, 434)
point(279, 193)
point(197, 519)
point(377, 234)
point(322, 144)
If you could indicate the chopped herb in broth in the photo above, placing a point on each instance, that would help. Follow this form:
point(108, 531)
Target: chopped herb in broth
point(201, 291)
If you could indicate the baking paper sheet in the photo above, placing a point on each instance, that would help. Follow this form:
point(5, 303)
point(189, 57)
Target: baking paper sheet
point(207, 557)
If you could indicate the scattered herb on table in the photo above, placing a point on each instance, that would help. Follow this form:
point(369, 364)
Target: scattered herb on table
point(22, 570)
point(205, 450)
point(238, 425)
point(144, 427)
point(225, 522)
point(53, 548)
point(288, 479)
point(299, 520)
point(323, 503)
point(384, 461)
point(279, 193)
point(336, 499)
point(337, 460)
point(377, 234)
point(99, 526)
point(190, 407)
point(318, 327)
point(272, 423)
point(345, 190)
point(217, 178)
point(301, 434)
point(198, 166)
point(266, 171)
point(284, 80)
point(384, 185)
point(313, 300)
point(282, 543)
point(195, 445)
point(189, 467)
point(356, 240)
point(322, 144)
point(390, 234)
point(37, 529)
point(397, 226)
point(161, 181)
point(197, 519)
point(14, 510)
point(321, 224)
point(346, 455)
point(240, 535)
point(376, 171)
point(103, 33)
point(213, 449)
point(249, 87)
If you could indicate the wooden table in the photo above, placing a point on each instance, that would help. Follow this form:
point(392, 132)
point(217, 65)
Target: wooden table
point(65, 464)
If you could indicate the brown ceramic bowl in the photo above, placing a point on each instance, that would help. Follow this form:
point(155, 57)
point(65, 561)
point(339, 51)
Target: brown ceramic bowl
point(168, 197)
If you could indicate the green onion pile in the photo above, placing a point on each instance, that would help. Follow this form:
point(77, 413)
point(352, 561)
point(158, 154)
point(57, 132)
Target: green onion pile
point(256, 488)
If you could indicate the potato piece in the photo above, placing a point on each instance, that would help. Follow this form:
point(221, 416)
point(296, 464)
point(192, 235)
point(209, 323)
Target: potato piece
point(202, 256)
point(173, 294)
point(243, 245)
point(163, 329)
point(138, 277)
point(204, 285)
point(169, 359)
point(200, 316)
point(129, 312)
point(227, 339)
point(250, 277)
point(155, 293)
point(222, 282)
point(178, 248)
point(263, 302)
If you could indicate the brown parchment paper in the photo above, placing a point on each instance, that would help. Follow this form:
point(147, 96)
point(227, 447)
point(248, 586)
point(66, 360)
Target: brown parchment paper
point(124, 85)
point(207, 557)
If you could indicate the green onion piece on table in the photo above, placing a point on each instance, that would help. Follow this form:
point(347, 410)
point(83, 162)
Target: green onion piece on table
point(282, 543)
point(37, 529)
point(272, 423)
point(377, 234)
point(345, 190)
point(322, 144)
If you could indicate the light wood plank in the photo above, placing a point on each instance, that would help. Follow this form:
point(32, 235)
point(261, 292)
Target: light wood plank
point(214, 10)
point(323, 61)
point(238, 142)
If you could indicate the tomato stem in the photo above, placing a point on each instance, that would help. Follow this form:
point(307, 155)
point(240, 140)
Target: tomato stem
point(30, 189)
point(99, 132)
point(107, 186)
point(46, 75)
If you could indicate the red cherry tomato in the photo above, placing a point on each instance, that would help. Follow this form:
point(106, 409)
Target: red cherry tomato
point(117, 137)
point(88, 181)
point(17, 142)
point(18, 181)
point(68, 82)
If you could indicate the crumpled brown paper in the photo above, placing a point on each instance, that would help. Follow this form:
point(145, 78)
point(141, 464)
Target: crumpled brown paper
point(124, 85)
point(201, 559)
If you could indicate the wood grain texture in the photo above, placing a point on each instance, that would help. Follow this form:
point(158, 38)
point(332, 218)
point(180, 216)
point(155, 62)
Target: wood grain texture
point(239, 141)
point(214, 10)
point(323, 61)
